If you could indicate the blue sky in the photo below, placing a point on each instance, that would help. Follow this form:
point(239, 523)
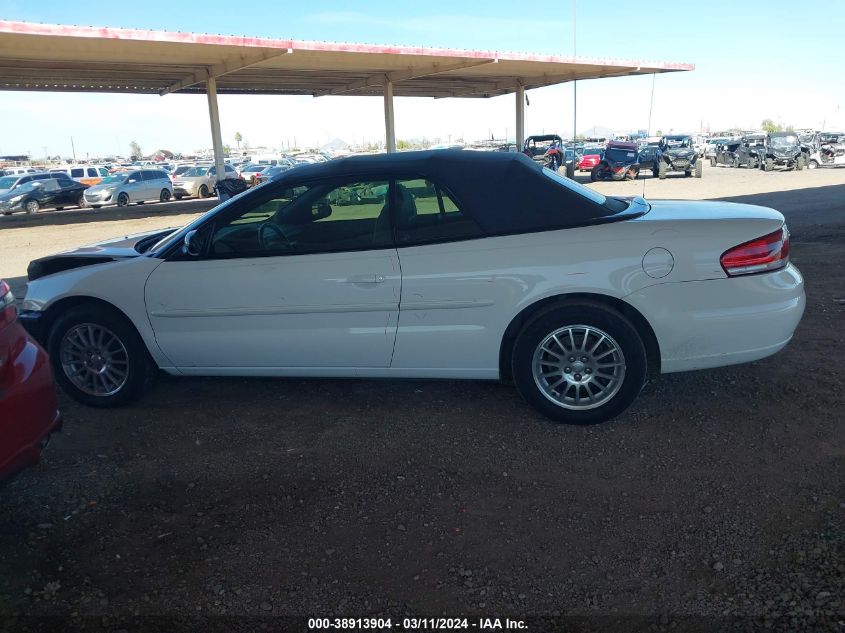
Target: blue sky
point(754, 59)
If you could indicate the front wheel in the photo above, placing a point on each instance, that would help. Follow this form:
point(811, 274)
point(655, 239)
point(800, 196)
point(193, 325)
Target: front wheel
point(812, 165)
point(799, 164)
point(98, 357)
point(203, 193)
point(699, 168)
point(597, 173)
point(579, 363)
point(661, 171)
point(769, 165)
point(31, 206)
point(123, 200)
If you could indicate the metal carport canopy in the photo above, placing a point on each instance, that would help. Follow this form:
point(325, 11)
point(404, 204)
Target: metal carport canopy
point(52, 57)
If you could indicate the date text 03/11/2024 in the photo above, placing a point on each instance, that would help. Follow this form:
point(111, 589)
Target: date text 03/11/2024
point(415, 624)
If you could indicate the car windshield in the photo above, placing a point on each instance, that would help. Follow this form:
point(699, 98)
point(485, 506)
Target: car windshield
point(254, 168)
point(196, 171)
point(578, 188)
point(6, 182)
point(676, 143)
point(114, 179)
point(783, 141)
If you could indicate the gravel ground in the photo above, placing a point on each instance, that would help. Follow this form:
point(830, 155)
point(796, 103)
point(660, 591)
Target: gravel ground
point(714, 504)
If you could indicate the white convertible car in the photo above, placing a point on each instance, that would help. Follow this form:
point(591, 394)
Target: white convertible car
point(441, 264)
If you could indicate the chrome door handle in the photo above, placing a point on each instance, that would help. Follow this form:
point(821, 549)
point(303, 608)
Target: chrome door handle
point(366, 279)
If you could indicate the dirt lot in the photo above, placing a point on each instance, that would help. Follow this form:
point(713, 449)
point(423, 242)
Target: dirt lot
point(715, 503)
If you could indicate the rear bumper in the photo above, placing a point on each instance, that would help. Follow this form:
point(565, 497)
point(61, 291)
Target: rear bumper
point(718, 322)
point(28, 410)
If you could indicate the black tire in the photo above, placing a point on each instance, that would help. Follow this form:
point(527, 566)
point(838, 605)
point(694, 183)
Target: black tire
point(31, 206)
point(203, 192)
point(141, 369)
point(699, 169)
point(687, 174)
point(582, 313)
point(799, 164)
point(123, 200)
point(812, 164)
point(164, 196)
point(81, 202)
point(595, 173)
point(769, 165)
point(178, 196)
point(712, 162)
point(661, 170)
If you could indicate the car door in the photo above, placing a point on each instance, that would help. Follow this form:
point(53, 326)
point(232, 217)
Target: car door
point(452, 297)
point(69, 191)
point(292, 281)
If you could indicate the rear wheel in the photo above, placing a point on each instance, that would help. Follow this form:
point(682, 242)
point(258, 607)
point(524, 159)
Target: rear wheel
point(712, 162)
point(98, 357)
point(661, 170)
point(597, 173)
point(31, 206)
point(579, 363)
point(123, 200)
point(769, 165)
point(81, 202)
point(699, 168)
point(799, 164)
point(812, 164)
point(164, 196)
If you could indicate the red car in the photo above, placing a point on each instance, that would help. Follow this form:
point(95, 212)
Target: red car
point(28, 408)
point(588, 161)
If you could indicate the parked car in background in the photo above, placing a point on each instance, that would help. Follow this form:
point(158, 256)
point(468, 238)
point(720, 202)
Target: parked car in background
point(135, 185)
point(620, 162)
point(199, 181)
point(86, 174)
point(269, 173)
point(381, 266)
point(711, 146)
point(178, 170)
point(546, 149)
point(19, 171)
point(49, 193)
point(677, 153)
point(10, 183)
point(249, 173)
point(29, 412)
point(590, 158)
point(648, 158)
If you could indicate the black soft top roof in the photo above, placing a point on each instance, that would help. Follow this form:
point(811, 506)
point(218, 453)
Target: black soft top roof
point(505, 192)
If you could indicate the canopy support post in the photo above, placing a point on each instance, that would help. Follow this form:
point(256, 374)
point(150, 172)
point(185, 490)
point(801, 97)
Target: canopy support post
point(389, 124)
point(520, 116)
point(216, 137)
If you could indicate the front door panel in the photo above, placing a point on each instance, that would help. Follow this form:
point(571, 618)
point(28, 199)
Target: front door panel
point(317, 310)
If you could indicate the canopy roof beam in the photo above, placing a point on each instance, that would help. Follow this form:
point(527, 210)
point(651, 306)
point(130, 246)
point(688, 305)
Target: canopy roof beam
point(381, 79)
point(223, 68)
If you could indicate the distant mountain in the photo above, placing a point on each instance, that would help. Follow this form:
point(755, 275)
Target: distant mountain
point(335, 144)
point(597, 131)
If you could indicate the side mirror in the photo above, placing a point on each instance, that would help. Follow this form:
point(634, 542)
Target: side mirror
point(193, 243)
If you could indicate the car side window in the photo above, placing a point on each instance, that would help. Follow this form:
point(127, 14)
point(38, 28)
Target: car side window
point(149, 174)
point(317, 218)
point(64, 181)
point(426, 213)
point(134, 176)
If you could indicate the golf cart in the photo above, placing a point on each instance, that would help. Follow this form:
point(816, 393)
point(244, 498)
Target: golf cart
point(677, 153)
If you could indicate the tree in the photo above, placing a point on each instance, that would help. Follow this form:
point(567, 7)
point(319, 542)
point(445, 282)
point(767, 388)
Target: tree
point(238, 139)
point(403, 144)
point(770, 126)
point(659, 133)
point(227, 150)
point(135, 150)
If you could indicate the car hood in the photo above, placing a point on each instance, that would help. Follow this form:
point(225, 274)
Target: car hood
point(124, 247)
point(8, 194)
point(685, 152)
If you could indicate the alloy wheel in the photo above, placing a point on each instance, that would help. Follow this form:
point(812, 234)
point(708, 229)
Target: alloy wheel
point(94, 359)
point(578, 367)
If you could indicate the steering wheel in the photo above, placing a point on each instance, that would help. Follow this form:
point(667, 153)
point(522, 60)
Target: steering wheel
point(274, 228)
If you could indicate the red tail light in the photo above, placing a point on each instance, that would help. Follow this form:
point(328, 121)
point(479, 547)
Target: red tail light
point(8, 312)
point(764, 254)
